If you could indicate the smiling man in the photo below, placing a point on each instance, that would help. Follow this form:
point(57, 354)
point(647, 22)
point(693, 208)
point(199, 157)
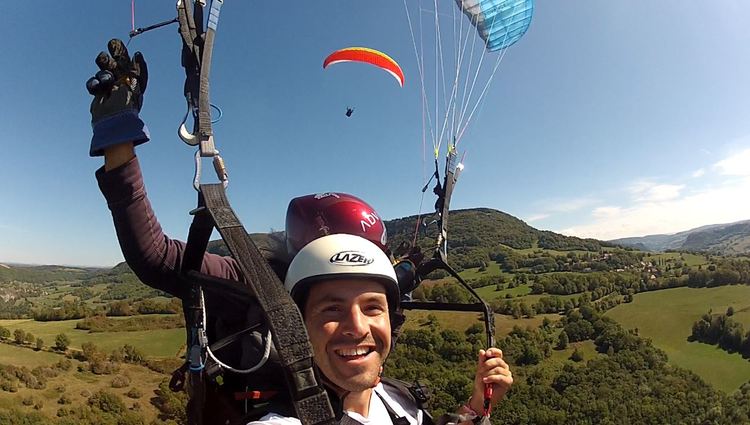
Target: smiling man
point(341, 277)
point(347, 291)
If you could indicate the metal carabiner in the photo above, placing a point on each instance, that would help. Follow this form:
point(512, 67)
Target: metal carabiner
point(186, 136)
point(219, 167)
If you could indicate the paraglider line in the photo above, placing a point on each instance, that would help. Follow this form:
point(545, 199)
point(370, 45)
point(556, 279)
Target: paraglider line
point(437, 142)
point(440, 57)
point(420, 62)
point(473, 84)
point(450, 111)
point(481, 95)
point(132, 15)
point(425, 110)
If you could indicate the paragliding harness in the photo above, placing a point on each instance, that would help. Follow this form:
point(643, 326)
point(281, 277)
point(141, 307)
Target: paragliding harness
point(281, 316)
point(417, 394)
point(287, 351)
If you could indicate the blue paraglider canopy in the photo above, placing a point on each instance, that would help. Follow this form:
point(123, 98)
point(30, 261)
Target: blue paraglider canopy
point(500, 23)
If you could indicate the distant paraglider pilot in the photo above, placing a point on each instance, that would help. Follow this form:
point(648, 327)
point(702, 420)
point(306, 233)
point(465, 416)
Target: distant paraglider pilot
point(368, 56)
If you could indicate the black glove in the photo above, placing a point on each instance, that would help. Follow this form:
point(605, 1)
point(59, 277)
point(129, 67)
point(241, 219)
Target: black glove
point(118, 97)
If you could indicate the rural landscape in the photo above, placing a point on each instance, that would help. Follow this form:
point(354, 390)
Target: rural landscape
point(597, 332)
point(599, 237)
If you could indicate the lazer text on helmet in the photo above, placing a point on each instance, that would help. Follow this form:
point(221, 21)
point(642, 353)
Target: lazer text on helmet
point(351, 258)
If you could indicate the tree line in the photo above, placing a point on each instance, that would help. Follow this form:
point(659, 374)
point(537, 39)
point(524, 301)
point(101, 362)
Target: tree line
point(627, 381)
point(70, 310)
point(722, 330)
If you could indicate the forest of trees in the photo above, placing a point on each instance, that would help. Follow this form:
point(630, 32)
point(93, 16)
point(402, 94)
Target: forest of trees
point(69, 310)
point(101, 407)
point(722, 330)
point(628, 381)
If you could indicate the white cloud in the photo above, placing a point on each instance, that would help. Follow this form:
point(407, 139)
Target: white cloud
point(606, 212)
point(551, 207)
point(666, 213)
point(654, 207)
point(648, 191)
point(536, 217)
point(735, 165)
point(566, 205)
point(662, 192)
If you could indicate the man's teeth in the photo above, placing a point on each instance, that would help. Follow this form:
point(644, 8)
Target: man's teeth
point(359, 351)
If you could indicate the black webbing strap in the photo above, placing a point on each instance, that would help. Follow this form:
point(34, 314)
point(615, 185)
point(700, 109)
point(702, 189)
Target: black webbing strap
point(395, 418)
point(284, 319)
point(198, 237)
point(197, 50)
point(444, 201)
point(191, 52)
point(416, 393)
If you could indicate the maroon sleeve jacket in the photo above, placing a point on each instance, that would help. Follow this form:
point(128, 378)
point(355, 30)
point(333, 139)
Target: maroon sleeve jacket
point(152, 255)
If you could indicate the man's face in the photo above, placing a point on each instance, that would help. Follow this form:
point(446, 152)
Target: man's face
point(350, 331)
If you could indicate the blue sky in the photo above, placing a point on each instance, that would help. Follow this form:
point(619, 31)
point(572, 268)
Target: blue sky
point(607, 119)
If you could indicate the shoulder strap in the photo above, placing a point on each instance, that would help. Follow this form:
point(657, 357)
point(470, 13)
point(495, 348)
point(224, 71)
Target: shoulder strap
point(198, 236)
point(395, 418)
point(416, 392)
point(282, 315)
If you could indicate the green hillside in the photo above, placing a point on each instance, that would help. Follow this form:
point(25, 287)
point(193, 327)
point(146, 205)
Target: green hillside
point(719, 239)
point(484, 228)
point(154, 343)
point(540, 285)
point(728, 239)
point(667, 316)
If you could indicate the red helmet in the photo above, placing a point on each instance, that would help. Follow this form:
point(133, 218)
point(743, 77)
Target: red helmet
point(312, 216)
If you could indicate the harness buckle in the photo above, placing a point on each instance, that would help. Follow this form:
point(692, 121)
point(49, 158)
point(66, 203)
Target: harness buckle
point(219, 167)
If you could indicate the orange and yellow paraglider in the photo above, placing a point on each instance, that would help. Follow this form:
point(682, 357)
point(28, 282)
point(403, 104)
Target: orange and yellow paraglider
point(367, 55)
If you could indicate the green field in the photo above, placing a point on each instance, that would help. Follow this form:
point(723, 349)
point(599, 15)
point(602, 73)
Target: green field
point(587, 348)
point(152, 343)
point(76, 385)
point(19, 356)
point(667, 317)
point(461, 320)
point(522, 292)
point(553, 252)
point(691, 260)
point(492, 269)
point(489, 293)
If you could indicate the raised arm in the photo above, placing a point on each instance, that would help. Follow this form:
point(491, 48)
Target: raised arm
point(154, 257)
point(118, 95)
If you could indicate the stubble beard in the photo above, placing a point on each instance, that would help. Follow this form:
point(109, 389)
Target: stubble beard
point(362, 379)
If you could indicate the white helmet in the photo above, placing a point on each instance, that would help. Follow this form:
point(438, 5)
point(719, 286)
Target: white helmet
point(340, 256)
